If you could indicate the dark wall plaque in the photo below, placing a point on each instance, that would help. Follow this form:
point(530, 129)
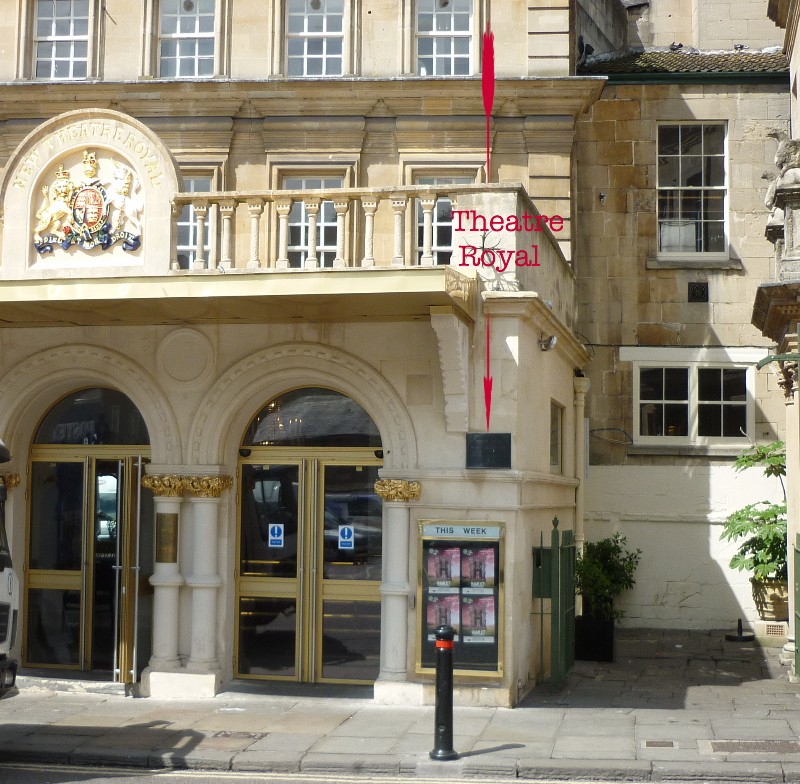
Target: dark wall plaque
point(488, 450)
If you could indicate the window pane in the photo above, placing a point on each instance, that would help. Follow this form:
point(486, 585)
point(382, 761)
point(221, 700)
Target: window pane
point(651, 419)
point(676, 384)
point(267, 636)
point(53, 626)
point(676, 419)
point(691, 140)
point(690, 206)
point(668, 139)
point(651, 383)
point(713, 139)
point(714, 237)
point(269, 499)
point(734, 421)
point(709, 420)
point(691, 171)
point(56, 529)
point(709, 384)
point(734, 387)
point(714, 171)
point(351, 640)
point(714, 205)
point(668, 171)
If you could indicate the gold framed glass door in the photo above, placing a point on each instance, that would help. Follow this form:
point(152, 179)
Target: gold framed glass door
point(310, 546)
point(88, 558)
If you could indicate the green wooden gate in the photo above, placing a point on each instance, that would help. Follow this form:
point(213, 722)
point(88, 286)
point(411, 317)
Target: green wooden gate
point(796, 618)
point(554, 579)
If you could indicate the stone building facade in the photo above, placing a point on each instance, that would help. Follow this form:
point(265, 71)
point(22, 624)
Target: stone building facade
point(669, 259)
point(243, 345)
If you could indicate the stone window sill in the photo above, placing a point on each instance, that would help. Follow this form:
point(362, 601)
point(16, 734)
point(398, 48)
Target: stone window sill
point(690, 262)
point(687, 450)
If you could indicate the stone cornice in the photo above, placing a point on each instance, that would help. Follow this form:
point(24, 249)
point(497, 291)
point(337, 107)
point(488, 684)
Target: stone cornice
point(402, 96)
point(398, 490)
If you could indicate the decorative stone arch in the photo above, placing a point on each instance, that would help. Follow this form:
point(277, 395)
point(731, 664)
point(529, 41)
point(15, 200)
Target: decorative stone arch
point(116, 138)
point(242, 391)
point(34, 386)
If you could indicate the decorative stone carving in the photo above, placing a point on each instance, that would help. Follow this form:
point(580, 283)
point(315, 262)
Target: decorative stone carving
point(452, 337)
point(9, 480)
point(398, 490)
point(166, 485)
point(788, 380)
point(207, 486)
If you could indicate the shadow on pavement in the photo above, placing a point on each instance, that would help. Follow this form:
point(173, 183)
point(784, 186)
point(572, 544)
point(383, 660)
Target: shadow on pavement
point(144, 744)
point(668, 669)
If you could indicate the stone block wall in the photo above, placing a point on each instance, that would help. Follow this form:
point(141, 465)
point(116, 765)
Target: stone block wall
point(624, 296)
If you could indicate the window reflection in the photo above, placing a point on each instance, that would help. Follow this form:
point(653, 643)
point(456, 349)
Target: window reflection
point(312, 417)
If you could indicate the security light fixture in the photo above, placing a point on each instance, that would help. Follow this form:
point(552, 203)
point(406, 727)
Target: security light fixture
point(547, 344)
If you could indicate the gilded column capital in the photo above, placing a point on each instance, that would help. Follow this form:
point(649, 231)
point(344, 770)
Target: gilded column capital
point(9, 480)
point(207, 486)
point(398, 489)
point(170, 485)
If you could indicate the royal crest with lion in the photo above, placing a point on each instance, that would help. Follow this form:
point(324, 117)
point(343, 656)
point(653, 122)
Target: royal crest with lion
point(90, 211)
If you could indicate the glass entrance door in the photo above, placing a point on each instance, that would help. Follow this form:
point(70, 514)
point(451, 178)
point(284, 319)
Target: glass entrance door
point(309, 565)
point(90, 552)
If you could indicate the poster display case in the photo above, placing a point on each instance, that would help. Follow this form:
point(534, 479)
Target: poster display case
point(460, 585)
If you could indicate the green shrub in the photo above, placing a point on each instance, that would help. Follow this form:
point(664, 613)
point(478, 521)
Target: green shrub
point(602, 573)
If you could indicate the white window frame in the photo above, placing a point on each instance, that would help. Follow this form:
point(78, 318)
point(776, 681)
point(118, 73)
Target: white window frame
point(693, 359)
point(308, 37)
point(299, 217)
point(187, 217)
point(557, 415)
point(36, 40)
point(688, 255)
point(436, 249)
point(178, 37)
point(440, 37)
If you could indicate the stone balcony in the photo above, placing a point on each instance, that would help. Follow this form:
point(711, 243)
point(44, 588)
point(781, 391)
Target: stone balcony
point(242, 267)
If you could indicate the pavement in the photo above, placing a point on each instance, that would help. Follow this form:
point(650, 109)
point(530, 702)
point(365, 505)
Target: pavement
point(673, 707)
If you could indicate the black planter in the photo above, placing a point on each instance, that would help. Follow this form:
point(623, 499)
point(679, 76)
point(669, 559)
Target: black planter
point(594, 639)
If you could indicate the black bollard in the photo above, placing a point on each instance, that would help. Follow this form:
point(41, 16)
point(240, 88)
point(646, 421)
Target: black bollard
point(443, 730)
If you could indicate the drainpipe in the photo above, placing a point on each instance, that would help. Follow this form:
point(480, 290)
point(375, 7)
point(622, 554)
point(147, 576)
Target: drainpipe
point(580, 385)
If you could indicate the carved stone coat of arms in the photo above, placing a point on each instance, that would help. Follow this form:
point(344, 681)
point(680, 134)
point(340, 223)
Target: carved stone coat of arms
point(92, 211)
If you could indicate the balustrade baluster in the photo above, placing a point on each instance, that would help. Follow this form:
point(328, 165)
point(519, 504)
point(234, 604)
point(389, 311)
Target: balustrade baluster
point(227, 209)
point(312, 211)
point(284, 207)
point(255, 207)
point(399, 206)
point(428, 203)
point(370, 206)
point(200, 212)
point(341, 205)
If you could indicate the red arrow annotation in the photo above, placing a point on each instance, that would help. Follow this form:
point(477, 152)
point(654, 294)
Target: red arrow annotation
point(487, 87)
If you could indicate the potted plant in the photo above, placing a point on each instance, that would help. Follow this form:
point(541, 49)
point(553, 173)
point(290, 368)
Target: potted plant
point(603, 571)
point(763, 527)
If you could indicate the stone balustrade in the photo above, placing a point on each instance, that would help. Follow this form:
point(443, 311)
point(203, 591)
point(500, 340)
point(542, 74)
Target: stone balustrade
point(252, 230)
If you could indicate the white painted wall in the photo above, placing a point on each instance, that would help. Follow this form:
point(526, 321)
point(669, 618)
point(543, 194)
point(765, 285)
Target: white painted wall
point(675, 514)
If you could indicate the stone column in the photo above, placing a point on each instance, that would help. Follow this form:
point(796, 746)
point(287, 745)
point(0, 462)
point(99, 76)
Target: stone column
point(789, 385)
point(395, 588)
point(204, 492)
point(166, 578)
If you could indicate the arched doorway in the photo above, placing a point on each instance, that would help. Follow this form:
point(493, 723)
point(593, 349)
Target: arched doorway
point(310, 541)
point(88, 603)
